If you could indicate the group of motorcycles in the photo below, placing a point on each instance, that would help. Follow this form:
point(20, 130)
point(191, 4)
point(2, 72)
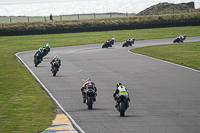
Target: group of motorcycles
point(110, 42)
point(122, 100)
point(122, 105)
point(130, 41)
point(42, 52)
point(90, 93)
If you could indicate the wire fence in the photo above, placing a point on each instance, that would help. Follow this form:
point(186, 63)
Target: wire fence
point(13, 19)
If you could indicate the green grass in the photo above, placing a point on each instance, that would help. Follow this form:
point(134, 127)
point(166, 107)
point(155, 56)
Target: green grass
point(186, 54)
point(24, 106)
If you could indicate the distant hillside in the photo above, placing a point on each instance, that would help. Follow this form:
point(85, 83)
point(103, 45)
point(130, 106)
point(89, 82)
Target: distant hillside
point(166, 8)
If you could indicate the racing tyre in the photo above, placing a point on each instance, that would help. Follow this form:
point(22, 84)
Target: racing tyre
point(122, 109)
point(89, 102)
point(55, 71)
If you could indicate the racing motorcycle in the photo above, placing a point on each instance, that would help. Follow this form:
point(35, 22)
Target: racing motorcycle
point(128, 42)
point(55, 68)
point(108, 43)
point(123, 104)
point(37, 60)
point(179, 39)
point(45, 51)
point(90, 97)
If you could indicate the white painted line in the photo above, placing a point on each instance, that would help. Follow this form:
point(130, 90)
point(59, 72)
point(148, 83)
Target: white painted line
point(80, 70)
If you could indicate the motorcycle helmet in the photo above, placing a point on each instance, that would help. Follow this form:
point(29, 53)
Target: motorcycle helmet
point(47, 45)
point(184, 35)
point(40, 49)
point(113, 39)
point(118, 84)
point(89, 79)
point(56, 57)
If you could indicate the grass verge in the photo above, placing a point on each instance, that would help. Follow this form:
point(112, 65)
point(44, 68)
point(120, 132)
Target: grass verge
point(186, 54)
point(24, 106)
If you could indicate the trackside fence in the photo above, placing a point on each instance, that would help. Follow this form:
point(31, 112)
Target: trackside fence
point(13, 19)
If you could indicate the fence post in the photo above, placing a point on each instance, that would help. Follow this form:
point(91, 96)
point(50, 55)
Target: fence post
point(78, 16)
point(110, 15)
point(60, 17)
point(44, 18)
point(10, 20)
point(28, 19)
point(94, 16)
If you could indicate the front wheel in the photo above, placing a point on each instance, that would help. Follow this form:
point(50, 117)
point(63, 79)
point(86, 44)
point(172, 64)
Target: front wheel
point(89, 102)
point(122, 109)
point(125, 45)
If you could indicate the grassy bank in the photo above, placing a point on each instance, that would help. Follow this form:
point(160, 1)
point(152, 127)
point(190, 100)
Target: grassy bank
point(24, 106)
point(186, 54)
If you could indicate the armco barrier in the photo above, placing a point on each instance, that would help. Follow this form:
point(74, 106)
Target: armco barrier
point(97, 28)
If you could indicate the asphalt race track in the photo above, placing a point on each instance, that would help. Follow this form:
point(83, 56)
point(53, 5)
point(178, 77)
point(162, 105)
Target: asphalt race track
point(165, 97)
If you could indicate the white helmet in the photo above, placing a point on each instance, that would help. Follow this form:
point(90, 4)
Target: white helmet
point(113, 38)
point(55, 57)
point(40, 49)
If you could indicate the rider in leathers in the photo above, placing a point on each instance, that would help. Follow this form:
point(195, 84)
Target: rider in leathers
point(120, 90)
point(39, 53)
point(130, 41)
point(47, 48)
point(55, 59)
point(182, 37)
point(111, 41)
point(87, 85)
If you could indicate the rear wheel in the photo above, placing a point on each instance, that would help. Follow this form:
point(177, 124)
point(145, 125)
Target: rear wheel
point(89, 102)
point(54, 71)
point(36, 62)
point(122, 109)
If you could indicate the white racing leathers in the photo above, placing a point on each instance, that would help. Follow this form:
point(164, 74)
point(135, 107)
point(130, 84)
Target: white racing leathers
point(123, 91)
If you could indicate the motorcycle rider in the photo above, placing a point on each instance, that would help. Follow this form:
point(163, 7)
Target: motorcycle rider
point(182, 37)
point(130, 41)
point(39, 53)
point(111, 41)
point(46, 48)
point(88, 84)
point(55, 59)
point(120, 90)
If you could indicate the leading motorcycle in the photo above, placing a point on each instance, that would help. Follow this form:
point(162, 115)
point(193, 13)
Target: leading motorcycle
point(123, 104)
